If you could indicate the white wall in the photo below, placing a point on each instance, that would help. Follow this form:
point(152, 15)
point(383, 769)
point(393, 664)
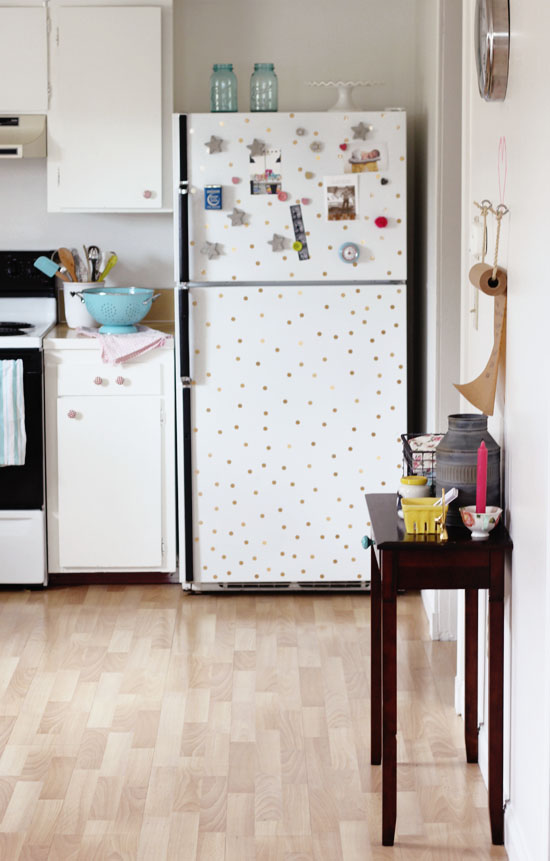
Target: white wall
point(310, 40)
point(521, 422)
point(143, 242)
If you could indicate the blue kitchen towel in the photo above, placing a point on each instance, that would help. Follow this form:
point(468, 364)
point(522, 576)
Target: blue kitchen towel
point(13, 439)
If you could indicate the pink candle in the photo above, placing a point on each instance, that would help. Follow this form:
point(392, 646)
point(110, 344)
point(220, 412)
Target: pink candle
point(481, 480)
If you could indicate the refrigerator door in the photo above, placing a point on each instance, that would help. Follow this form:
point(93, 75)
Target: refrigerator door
point(298, 400)
point(294, 197)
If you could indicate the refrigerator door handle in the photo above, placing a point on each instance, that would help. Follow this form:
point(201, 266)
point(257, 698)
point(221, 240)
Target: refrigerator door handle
point(183, 203)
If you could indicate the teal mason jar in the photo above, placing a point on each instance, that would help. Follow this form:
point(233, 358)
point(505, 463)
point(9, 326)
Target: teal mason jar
point(223, 88)
point(263, 88)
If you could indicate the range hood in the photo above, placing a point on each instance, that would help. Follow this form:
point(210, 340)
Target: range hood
point(22, 136)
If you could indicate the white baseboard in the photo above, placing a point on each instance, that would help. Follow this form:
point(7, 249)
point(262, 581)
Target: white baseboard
point(483, 753)
point(460, 693)
point(428, 596)
point(441, 611)
point(514, 839)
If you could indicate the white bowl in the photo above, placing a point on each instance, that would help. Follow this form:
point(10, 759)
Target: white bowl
point(480, 522)
point(414, 491)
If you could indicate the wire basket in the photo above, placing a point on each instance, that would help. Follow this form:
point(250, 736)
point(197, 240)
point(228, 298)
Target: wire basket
point(419, 454)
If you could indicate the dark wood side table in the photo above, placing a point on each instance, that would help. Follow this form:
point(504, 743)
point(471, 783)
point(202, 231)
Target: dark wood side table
point(402, 561)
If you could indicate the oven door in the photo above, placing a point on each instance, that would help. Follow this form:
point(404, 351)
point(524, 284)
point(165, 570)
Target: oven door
point(22, 487)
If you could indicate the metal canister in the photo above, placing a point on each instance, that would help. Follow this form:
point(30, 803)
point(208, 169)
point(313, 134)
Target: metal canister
point(212, 197)
point(456, 463)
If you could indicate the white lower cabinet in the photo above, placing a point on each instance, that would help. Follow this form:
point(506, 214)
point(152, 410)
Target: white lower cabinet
point(110, 464)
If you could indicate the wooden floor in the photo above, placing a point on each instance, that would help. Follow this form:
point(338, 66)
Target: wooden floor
point(143, 723)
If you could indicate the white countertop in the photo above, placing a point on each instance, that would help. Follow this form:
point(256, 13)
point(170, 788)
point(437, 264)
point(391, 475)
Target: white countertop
point(61, 337)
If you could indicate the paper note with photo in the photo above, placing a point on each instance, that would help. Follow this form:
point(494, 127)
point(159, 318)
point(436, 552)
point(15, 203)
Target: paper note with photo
point(265, 172)
point(366, 157)
point(341, 198)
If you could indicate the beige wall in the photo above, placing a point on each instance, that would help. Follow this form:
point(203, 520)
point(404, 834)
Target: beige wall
point(307, 40)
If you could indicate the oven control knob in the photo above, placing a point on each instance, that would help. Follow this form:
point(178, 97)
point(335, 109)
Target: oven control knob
point(98, 381)
point(119, 381)
point(72, 414)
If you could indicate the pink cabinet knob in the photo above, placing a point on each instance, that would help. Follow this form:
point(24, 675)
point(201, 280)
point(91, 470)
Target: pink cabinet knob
point(119, 381)
point(147, 193)
point(98, 381)
point(72, 414)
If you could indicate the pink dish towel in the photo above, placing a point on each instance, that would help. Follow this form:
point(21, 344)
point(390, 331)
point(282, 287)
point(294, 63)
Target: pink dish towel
point(117, 349)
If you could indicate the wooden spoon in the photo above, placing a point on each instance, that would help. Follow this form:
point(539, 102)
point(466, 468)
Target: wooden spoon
point(67, 260)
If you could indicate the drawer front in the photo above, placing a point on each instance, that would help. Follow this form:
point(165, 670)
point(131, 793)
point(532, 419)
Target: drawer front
point(106, 380)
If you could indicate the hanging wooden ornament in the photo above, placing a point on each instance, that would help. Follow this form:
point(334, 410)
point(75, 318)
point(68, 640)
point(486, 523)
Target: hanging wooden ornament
point(492, 281)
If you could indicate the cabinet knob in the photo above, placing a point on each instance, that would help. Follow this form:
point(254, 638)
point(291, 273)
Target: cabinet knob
point(72, 414)
point(147, 193)
point(119, 381)
point(98, 381)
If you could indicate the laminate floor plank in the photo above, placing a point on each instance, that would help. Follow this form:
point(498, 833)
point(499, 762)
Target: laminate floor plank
point(140, 722)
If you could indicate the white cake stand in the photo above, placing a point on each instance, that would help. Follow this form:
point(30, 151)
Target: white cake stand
point(344, 102)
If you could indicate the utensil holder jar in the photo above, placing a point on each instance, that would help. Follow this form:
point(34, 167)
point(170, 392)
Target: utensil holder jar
point(456, 463)
point(76, 313)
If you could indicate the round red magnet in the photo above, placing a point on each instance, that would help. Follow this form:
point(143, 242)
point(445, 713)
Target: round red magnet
point(282, 195)
point(381, 221)
point(235, 180)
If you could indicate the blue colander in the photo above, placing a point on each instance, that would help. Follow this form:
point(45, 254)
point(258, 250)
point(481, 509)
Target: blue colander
point(118, 308)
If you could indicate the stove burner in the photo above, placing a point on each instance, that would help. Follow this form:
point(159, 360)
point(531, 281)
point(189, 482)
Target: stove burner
point(14, 325)
point(6, 331)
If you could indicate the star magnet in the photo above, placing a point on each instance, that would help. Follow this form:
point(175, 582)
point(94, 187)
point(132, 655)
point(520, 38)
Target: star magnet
point(214, 144)
point(361, 131)
point(237, 217)
point(277, 243)
point(256, 147)
point(211, 249)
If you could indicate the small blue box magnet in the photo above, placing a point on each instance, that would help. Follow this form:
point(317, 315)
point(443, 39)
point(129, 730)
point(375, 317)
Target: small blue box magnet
point(212, 197)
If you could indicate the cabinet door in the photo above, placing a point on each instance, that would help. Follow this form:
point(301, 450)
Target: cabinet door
point(110, 482)
point(105, 122)
point(23, 61)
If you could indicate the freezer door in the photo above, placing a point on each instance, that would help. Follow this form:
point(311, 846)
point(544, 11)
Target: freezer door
point(298, 400)
point(335, 183)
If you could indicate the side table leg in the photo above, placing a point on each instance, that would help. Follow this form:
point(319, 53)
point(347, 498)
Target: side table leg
point(470, 673)
point(375, 663)
point(496, 696)
point(389, 701)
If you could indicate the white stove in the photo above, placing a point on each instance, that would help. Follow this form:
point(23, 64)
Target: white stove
point(38, 315)
point(27, 298)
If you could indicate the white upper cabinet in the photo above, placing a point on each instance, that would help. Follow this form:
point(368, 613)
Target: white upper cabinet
point(105, 119)
point(23, 60)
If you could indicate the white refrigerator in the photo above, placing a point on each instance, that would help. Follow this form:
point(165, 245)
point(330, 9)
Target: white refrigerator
point(291, 309)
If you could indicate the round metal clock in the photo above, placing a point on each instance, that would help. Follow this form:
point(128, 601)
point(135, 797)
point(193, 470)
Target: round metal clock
point(492, 44)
